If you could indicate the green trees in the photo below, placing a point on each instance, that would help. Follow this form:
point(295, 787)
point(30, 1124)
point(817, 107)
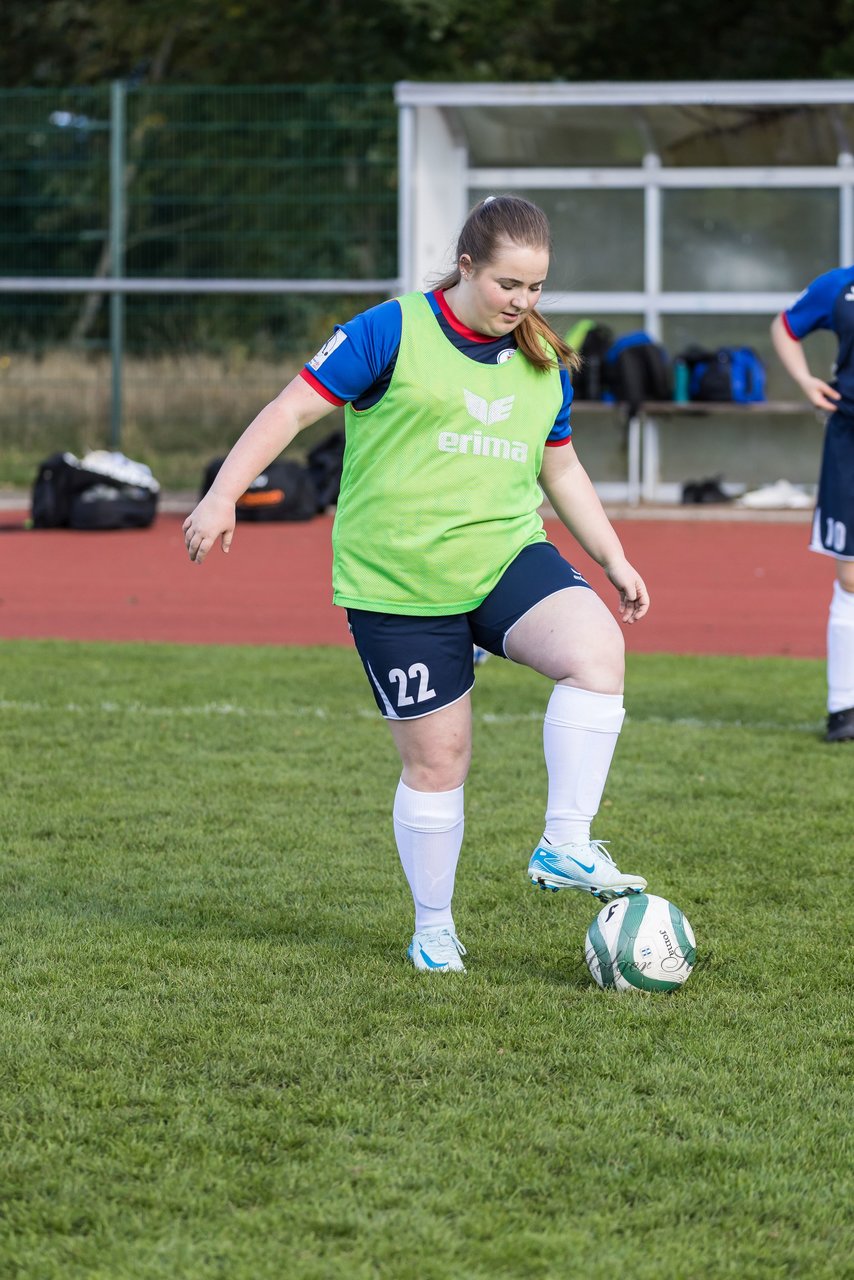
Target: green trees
point(60, 42)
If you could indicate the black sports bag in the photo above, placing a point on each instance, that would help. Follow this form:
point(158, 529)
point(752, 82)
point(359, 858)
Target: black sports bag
point(283, 491)
point(69, 495)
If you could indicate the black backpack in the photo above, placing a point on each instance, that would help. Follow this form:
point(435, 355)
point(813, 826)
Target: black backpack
point(325, 464)
point(283, 491)
point(637, 369)
point(592, 342)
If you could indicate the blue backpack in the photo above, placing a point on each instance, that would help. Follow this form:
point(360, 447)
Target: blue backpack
point(731, 374)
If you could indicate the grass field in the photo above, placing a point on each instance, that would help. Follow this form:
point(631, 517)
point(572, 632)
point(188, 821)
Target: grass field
point(216, 1062)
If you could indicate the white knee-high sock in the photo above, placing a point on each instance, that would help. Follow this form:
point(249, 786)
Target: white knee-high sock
point(580, 733)
point(428, 828)
point(840, 650)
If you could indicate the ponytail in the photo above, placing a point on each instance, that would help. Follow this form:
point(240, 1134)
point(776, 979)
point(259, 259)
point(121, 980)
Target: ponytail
point(535, 335)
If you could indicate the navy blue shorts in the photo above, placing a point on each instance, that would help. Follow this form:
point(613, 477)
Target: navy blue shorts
point(417, 665)
point(833, 522)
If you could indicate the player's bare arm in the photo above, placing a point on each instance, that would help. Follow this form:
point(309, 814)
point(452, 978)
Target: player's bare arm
point(271, 431)
point(575, 501)
point(794, 361)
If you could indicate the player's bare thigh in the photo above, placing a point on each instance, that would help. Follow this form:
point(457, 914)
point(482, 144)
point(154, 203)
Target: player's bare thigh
point(435, 749)
point(571, 637)
point(845, 574)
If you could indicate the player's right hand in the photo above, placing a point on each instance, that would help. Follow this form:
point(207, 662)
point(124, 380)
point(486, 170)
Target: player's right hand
point(213, 518)
point(820, 394)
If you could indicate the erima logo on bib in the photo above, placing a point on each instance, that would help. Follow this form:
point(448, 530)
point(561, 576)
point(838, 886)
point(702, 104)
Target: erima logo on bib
point(488, 412)
point(481, 446)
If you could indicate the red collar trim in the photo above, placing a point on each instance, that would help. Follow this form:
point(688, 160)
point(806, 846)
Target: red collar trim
point(456, 324)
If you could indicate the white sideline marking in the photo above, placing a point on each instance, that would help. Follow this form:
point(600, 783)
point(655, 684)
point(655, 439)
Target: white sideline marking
point(364, 713)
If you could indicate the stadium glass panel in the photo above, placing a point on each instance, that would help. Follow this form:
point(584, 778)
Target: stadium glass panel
point(747, 240)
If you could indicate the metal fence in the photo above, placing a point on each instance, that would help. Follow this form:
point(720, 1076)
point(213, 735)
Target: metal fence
point(154, 221)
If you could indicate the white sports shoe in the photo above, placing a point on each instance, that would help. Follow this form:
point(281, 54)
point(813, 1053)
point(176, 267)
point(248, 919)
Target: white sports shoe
point(581, 866)
point(438, 950)
point(781, 495)
point(480, 655)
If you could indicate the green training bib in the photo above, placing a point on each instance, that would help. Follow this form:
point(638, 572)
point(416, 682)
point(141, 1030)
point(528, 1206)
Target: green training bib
point(439, 489)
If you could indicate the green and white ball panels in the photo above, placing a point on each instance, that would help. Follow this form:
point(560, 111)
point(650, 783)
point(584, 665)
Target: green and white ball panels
point(640, 943)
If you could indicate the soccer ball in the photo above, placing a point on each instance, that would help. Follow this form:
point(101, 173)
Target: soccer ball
point(640, 943)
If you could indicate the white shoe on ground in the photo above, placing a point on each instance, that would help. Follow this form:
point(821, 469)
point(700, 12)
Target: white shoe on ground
point(780, 496)
point(438, 950)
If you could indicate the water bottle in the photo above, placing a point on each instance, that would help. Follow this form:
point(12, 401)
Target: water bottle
point(681, 375)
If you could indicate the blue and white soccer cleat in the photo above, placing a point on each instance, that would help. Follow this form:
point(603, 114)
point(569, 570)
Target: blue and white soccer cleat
point(588, 867)
point(436, 950)
point(480, 655)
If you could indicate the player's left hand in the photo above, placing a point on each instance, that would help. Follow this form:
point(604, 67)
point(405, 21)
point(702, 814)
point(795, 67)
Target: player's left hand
point(634, 597)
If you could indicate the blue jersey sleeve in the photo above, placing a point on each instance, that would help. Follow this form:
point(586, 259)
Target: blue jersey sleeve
point(561, 432)
point(813, 309)
point(353, 359)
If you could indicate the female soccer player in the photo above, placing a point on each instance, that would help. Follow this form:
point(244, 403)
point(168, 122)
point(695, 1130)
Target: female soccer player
point(828, 303)
point(457, 409)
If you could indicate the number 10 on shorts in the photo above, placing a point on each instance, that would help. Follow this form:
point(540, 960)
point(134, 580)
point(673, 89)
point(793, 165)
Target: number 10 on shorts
point(835, 535)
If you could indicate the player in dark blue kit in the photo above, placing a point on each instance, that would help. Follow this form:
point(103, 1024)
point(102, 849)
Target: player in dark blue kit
point(828, 303)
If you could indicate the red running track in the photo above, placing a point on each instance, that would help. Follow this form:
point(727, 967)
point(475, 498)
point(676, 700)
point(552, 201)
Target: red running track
point(717, 586)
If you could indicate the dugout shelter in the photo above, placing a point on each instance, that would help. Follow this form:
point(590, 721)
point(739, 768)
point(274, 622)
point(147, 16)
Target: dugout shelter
point(695, 211)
